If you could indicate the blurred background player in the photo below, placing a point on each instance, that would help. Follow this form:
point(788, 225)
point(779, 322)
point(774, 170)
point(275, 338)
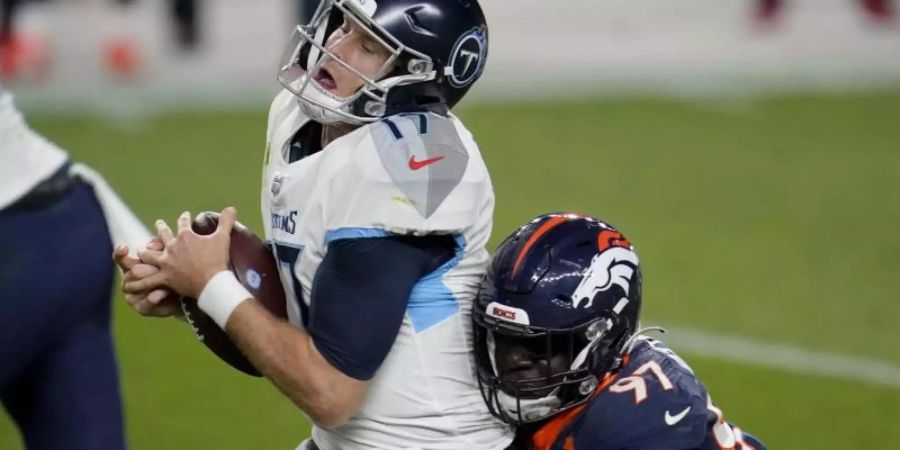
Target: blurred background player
point(560, 353)
point(364, 164)
point(20, 52)
point(880, 11)
point(58, 376)
point(185, 22)
point(29, 52)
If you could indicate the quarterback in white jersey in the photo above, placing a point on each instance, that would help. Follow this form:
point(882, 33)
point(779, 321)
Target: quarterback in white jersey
point(378, 206)
point(415, 174)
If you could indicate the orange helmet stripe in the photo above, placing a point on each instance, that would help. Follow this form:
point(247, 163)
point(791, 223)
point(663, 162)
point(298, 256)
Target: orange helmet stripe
point(547, 226)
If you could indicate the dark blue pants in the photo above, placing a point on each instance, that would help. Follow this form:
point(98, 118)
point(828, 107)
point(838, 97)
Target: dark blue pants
point(58, 374)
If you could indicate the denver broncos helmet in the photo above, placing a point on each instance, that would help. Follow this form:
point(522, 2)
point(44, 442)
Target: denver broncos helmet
point(560, 300)
point(436, 50)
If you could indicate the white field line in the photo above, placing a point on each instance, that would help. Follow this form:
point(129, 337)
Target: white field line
point(784, 357)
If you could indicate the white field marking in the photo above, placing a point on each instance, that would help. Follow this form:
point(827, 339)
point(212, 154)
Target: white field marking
point(783, 357)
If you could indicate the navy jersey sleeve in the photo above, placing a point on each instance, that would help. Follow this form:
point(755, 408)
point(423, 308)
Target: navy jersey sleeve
point(655, 404)
point(360, 294)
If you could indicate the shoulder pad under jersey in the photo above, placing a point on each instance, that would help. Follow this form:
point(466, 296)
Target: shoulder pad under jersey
point(423, 155)
point(655, 403)
point(410, 174)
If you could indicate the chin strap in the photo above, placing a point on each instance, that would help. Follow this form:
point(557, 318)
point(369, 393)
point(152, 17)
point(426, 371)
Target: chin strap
point(529, 409)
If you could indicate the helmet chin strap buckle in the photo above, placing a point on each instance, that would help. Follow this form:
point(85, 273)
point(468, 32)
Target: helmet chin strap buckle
point(529, 410)
point(587, 386)
point(374, 109)
point(419, 66)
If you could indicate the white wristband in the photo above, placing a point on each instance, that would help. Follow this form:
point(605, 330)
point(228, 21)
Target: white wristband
point(221, 295)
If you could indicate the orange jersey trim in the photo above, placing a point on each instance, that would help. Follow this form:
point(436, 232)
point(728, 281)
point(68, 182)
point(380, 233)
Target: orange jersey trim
point(544, 438)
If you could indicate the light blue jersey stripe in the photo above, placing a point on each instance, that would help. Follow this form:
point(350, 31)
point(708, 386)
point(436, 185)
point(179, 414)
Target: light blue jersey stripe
point(431, 301)
point(354, 233)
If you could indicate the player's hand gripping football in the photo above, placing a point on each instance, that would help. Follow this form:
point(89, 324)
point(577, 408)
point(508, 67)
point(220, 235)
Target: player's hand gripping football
point(160, 302)
point(188, 260)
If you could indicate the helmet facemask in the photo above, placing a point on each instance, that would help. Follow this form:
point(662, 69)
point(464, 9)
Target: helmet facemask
point(587, 352)
point(307, 52)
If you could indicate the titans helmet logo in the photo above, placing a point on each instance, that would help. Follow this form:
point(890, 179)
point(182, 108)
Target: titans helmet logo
point(467, 58)
point(614, 266)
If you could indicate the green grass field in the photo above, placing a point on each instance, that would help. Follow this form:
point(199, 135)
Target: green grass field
point(774, 219)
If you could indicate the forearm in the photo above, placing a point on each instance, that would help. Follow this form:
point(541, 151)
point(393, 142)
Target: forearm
point(196, 266)
point(287, 356)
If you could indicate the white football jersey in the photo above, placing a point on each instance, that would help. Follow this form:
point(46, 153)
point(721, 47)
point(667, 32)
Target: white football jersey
point(413, 174)
point(26, 158)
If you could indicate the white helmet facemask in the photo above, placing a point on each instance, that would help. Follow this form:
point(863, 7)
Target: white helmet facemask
point(307, 53)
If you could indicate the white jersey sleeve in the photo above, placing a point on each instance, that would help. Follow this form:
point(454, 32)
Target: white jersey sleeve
point(26, 158)
point(409, 174)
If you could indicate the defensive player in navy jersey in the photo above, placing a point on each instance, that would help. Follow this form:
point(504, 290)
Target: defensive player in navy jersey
point(560, 353)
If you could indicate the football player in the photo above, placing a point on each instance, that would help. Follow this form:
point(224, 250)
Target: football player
point(560, 353)
point(58, 373)
point(378, 206)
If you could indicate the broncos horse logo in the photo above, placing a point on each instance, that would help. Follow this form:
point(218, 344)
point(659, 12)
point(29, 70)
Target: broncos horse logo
point(613, 266)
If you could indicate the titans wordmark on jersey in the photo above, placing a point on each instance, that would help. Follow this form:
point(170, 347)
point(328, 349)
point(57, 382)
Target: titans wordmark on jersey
point(415, 174)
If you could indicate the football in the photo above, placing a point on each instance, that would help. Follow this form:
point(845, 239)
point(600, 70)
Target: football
point(255, 267)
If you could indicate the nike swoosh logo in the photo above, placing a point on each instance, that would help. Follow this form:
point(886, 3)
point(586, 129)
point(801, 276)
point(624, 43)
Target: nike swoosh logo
point(672, 420)
point(416, 165)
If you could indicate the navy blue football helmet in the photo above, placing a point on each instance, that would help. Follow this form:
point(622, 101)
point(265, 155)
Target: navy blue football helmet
point(436, 50)
point(564, 293)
